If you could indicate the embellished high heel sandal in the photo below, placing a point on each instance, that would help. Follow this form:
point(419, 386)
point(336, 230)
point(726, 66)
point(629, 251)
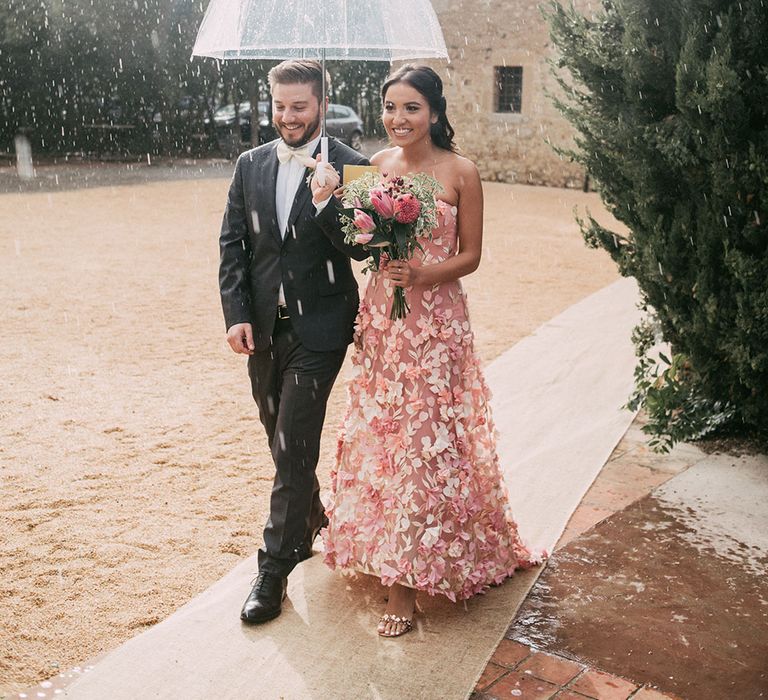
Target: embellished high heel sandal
point(402, 625)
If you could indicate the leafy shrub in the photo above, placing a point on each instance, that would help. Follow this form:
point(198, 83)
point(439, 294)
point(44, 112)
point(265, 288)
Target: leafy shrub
point(670, 106)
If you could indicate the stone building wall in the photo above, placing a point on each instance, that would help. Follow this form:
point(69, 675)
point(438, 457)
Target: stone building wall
point(483, 34)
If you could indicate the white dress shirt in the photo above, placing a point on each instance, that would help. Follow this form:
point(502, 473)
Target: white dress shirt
point(289, 177)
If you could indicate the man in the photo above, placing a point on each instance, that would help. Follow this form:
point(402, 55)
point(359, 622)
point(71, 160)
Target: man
point(289, 299)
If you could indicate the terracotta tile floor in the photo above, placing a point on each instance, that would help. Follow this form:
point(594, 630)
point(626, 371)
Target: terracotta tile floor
point(516, 670)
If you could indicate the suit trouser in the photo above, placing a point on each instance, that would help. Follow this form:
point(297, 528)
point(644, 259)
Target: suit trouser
point(291, 386)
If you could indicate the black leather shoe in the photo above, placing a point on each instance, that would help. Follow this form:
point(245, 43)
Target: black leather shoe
point(266, 598)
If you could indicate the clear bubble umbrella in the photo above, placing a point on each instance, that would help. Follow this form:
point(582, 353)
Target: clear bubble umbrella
point(355, 30)
point(347, 30)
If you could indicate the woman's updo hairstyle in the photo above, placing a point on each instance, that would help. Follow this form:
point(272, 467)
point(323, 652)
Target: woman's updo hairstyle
point(430, 86)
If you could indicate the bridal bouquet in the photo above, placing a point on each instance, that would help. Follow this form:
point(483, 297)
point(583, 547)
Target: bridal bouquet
point(387, 216)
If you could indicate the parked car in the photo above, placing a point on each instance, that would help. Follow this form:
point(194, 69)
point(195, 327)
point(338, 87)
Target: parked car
point(224, 120)
point(341, 121)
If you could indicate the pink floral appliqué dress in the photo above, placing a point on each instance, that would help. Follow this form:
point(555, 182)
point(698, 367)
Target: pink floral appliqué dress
point(417, 495)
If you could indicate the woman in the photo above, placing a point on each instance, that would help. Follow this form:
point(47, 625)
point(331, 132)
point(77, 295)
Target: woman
point(417, 494)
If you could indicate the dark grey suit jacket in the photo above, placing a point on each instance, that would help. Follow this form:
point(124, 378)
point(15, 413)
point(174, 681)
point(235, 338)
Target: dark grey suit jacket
point(312, 261)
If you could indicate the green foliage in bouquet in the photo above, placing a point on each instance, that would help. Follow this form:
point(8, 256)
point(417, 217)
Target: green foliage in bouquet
point(670, 104)
point(390, 215)
point(357, 195)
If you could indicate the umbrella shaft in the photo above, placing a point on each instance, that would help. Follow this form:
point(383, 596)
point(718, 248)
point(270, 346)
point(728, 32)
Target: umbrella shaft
point(324, 97)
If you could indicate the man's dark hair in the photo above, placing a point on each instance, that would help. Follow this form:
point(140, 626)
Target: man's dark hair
point(303, 71)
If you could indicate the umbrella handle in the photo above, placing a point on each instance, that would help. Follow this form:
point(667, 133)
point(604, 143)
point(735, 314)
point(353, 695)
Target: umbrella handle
point(322, 166)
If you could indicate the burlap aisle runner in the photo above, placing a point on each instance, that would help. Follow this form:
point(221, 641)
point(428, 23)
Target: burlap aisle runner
point(557, 398)
point(557, 395)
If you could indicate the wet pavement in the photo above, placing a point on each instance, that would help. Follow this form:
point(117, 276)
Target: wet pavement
point(71, 173)
point(665, 597)
point(83, 174)
point(635, 597)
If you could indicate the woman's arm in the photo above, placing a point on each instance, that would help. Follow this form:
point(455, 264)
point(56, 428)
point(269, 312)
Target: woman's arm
point(470, 236)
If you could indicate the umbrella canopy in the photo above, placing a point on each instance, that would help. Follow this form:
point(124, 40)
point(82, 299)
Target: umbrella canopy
point(354, 30)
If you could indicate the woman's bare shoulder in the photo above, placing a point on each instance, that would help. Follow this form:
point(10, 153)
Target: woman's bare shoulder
point(463, 165)
point(460, 174)
point(383, 157)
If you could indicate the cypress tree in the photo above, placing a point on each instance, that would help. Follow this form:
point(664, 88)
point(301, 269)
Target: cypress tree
point(670, 105)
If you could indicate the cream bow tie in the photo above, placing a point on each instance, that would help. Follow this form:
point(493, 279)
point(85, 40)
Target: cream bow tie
point(301, 154)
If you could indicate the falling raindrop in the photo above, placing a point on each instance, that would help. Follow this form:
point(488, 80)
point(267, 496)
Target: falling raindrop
point(331, 275)
point(301, 309)
point(255, 221)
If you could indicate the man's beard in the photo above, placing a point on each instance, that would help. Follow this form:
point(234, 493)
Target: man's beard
point(308, 133)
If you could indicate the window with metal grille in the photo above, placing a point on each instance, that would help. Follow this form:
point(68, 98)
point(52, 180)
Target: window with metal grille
point(509, 89)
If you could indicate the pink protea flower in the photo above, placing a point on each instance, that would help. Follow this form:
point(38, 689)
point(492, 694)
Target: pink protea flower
point(364, 222)
point(382, 202)
point(363, 238)
point(407, 208)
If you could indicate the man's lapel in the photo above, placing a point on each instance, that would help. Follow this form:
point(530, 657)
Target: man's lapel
point(304, 193)
point(269, 185)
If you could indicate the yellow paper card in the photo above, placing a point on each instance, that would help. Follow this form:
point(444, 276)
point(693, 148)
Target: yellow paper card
point(352, 172)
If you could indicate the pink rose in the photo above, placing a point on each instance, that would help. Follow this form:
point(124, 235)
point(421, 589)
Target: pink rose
point(407, 208)
point(363, 238)
point(364, 222)
point(382, 202)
